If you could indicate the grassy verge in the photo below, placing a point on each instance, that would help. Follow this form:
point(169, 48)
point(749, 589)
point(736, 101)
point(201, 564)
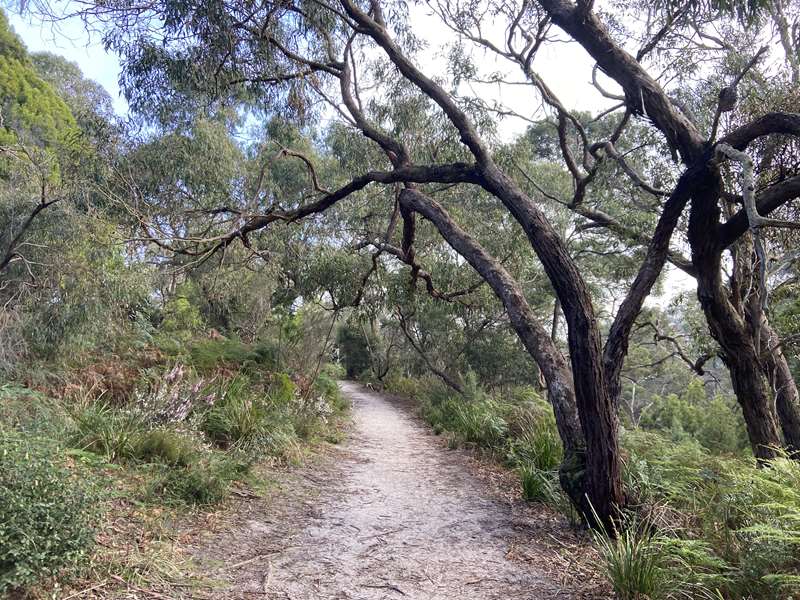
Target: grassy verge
point(92, 476)
point(701, 524)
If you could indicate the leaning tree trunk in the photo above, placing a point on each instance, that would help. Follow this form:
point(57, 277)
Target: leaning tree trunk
point(598, 418)
point(537, 342)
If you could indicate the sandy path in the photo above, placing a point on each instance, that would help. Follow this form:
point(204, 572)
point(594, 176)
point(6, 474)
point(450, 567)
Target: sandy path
point(397, 516)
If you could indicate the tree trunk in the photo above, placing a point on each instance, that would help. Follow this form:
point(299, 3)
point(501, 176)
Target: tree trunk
point(534, 337)
point(738, 352)
point(597, 413)
point(596, 408)
point(755, 399)
point(784, 387)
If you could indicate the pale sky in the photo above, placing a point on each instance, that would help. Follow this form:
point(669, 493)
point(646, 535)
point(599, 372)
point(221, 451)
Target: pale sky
point(71, 41)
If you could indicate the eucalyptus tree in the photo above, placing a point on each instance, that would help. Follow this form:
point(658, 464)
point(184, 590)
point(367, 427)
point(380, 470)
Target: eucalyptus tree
point(291, 58)
point(707, 59)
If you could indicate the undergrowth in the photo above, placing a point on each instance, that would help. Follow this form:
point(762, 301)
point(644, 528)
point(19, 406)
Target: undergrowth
point(704, 521)
point(191, 427)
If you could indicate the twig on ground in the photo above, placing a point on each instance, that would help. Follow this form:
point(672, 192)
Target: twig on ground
point(84, 591)
point(385, 586)
point(267, 578)
point(138, 589)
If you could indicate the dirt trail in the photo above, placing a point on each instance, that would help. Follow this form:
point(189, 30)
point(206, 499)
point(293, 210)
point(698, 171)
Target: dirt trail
point(396, 516)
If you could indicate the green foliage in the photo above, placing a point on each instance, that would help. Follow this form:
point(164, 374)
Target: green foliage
point(165, 446)
point(354, 348)
point(642, 562)
point(716, 423)
point(32, 111)
point(31, 412)
point(206, 355)
point(410, 387)
point(632, 562)
point(46, 514)
point(743, 519)
point(476, 420)
point(538, 485)
point(181, 316)
point(247, 420)
point(282, 390)
point(199, 483)
point(109, 432)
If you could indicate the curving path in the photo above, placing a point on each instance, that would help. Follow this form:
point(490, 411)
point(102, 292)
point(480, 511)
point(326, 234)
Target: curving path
point(398, 516)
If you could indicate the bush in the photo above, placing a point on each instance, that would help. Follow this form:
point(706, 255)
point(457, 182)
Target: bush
point(199, 484)
point(746, 519)
point(325, 385)
point(478, 420)
point(109, 432)
point(403, 386)
point(534, 438)
point(165, 446)
point(23, 409)
point(717, 423)
point(246, 421)
point(206, 355)
point(45, 513)
point(282, 390)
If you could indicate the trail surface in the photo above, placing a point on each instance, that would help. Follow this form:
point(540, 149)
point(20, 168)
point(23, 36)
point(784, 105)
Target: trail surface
point(395, 516)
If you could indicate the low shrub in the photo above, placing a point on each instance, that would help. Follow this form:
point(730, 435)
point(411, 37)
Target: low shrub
point(106, 431)
point(164, 446)
point(23, 409)
point(246, 420)
point(643, 562)
point(201, 483)
point(46, 514)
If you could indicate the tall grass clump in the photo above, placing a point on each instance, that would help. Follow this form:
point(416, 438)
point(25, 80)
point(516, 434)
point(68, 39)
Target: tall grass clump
point(473, 418)
point(246, 420)
point(107, 431)
point(46, 514)
point(202, 483)
point(643, 561)
point(632, 562)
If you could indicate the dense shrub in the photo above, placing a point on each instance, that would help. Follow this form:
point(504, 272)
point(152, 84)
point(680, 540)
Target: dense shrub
point(744, 520)
point(206, 355)
point(107, 431)
point(165, 446)
point(199, 484)
point(23, 409)
point(410, 387)
point(45, 513)
point(246, 419)
point(716, 423)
